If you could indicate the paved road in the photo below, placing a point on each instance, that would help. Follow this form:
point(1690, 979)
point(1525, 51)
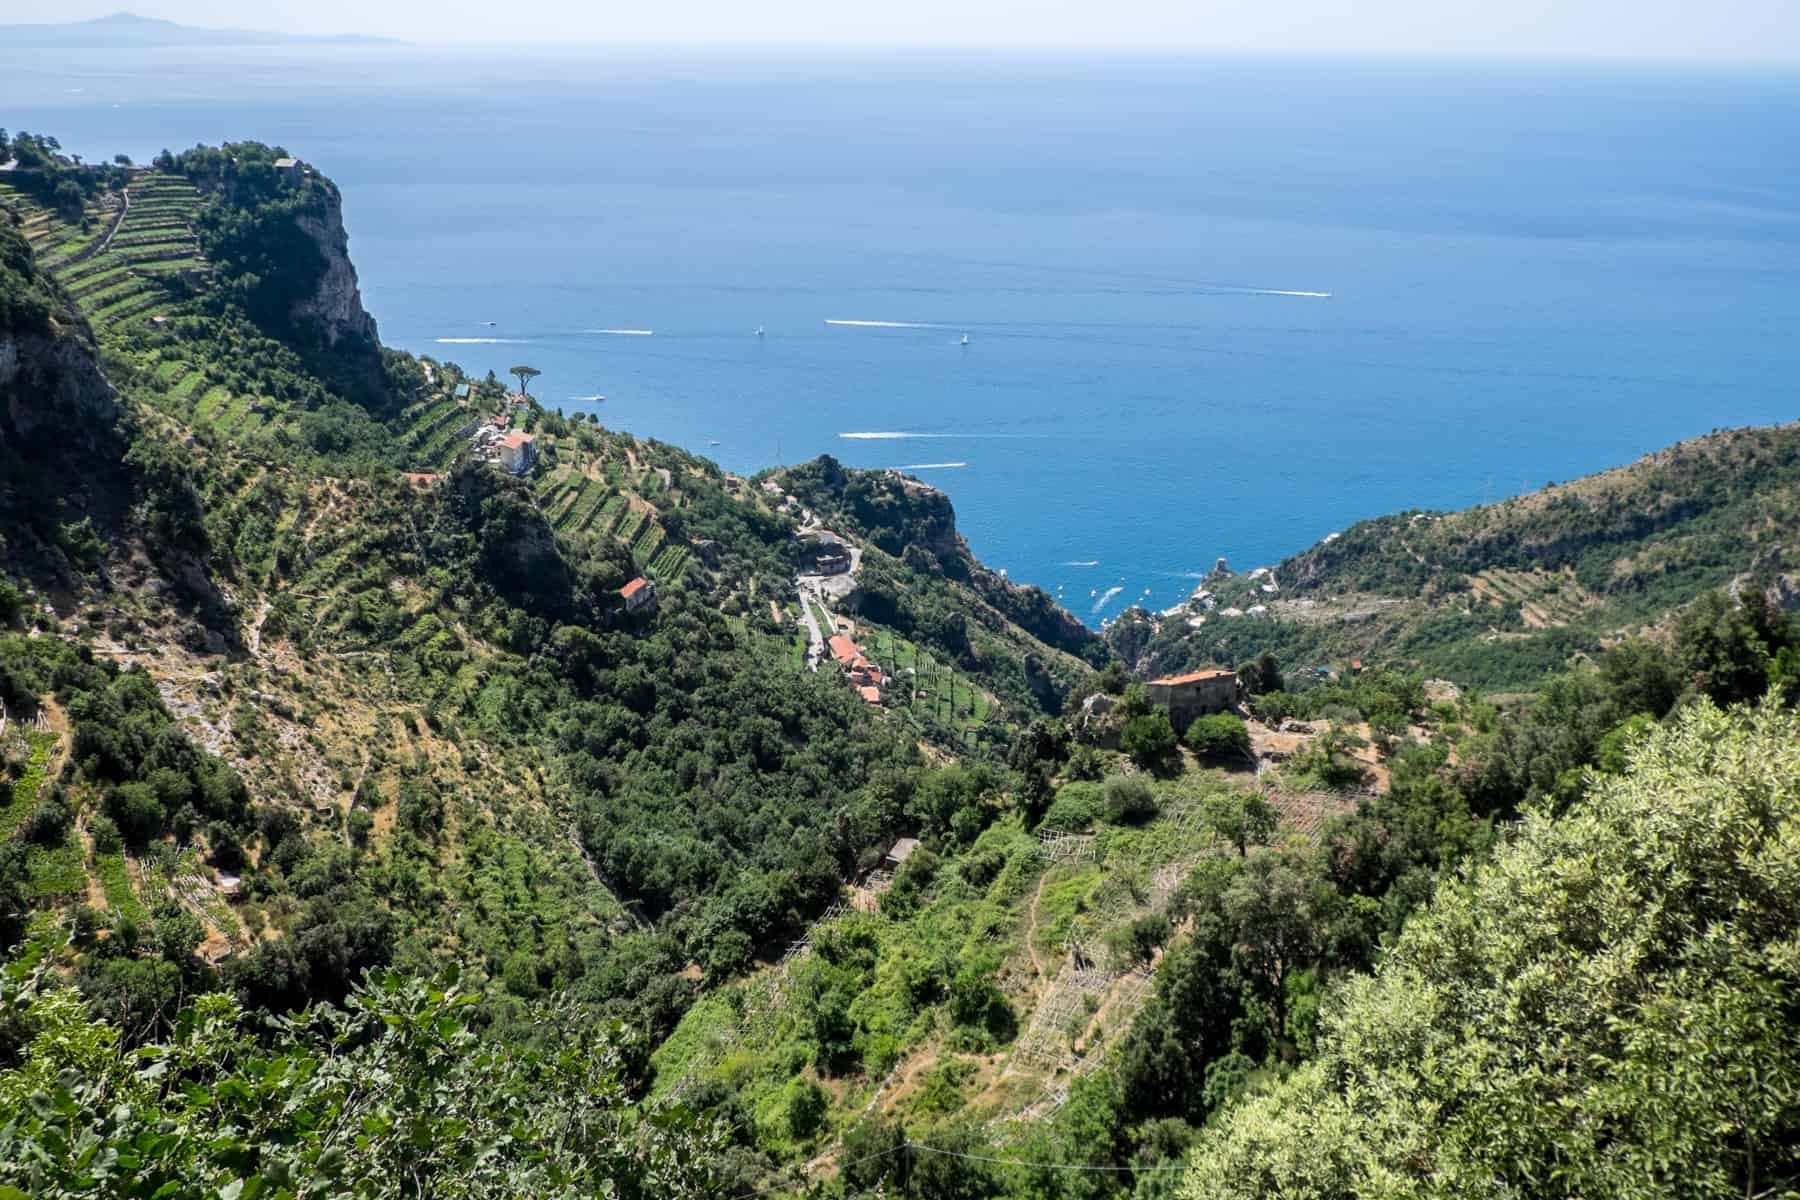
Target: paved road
point(816, 588)
point(815, 649)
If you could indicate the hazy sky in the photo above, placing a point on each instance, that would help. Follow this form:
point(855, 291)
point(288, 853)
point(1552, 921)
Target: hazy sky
point(1709, 29)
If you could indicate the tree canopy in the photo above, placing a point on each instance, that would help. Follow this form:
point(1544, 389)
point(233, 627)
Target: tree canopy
point(1605, 1009)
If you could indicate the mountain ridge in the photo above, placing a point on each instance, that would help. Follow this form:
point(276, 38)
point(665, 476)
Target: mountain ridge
point(129, 30)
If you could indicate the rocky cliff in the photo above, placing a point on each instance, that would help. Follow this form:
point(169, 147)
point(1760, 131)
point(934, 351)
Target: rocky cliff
point(49, 371)
point(336, 303)
point(52, 384)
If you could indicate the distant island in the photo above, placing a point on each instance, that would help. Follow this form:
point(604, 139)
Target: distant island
point(128, 30)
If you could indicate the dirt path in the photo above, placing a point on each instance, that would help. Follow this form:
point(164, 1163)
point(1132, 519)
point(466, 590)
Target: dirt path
point(100, 247)
point(256, 627)
point(1031, 928)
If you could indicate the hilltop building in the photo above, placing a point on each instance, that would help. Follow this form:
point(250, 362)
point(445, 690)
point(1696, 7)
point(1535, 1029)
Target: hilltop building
point(1194, 694)
point(518, 452)
point(639, 595)
point(826, 551)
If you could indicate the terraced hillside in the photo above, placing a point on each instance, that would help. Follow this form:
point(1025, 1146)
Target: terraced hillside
point(1500, 594)
point(133, 254)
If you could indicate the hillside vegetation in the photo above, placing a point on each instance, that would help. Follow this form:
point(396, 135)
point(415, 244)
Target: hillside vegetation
point(1498, 595)
point(357, 838)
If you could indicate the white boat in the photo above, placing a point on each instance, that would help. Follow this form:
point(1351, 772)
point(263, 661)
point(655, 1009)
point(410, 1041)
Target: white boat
point(712, 443)
point(759, 331)
point(965, 340)
point(489, 324)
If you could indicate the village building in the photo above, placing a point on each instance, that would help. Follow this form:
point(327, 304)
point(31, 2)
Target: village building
point(826, 552)
point(639, 595)
point(899, 852)
point(843, 651)
point(461, 393)
point(518, 452)
point(291, 169)
point(870, 694)
point(1193, 695)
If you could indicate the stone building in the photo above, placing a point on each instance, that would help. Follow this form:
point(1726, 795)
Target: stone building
point(1194, 695)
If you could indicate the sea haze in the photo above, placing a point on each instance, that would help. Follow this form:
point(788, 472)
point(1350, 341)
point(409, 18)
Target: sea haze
point(1216, 306)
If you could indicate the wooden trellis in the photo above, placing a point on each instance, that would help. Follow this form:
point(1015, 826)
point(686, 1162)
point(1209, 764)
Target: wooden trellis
point(1058, 846)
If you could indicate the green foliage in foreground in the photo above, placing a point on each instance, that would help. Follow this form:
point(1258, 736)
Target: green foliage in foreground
point(1606, 1009)
point(397, 1096)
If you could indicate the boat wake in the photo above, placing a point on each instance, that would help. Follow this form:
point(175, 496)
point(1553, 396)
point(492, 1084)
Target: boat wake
point(480, 341)
point(1082, 562)
point(1106, 598)
point(931, 466)
point(883, 435)
point(885, 324)
point(623, 332)
point(1281, 292)
point(593, 399)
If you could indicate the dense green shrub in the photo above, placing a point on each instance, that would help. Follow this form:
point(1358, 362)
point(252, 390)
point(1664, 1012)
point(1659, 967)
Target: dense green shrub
point(1128, 798)
point(1218, 736)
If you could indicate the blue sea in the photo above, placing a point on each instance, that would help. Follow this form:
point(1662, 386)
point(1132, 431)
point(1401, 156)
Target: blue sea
point(1214, 306)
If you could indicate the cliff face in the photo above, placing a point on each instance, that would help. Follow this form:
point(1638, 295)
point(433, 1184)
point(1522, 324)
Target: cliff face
point(336, 303)
point(51, 383)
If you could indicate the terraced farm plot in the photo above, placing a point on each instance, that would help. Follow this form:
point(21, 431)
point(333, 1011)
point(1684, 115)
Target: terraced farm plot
point(232, 415)
point(632, 528)
point(593, 501)
point(24, 795)
point(450, 440)
point(115, 262)
point(648, 543)
point(1545, 600)
point(115, 882)
point(608, 516)
point(189, 383)
point(211, 404)
point(669, 564)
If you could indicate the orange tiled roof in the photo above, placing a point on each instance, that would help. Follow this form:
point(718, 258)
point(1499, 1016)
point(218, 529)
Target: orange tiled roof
point(1192, 677)
point(634, 587)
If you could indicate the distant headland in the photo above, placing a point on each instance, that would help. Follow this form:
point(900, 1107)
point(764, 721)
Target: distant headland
point(128, 30)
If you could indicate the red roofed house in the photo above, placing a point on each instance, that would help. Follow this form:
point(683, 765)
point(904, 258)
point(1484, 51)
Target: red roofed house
point(639, 594)
point(1194, 694)
point(518, 451)
point(843, 649)
point(871, 695)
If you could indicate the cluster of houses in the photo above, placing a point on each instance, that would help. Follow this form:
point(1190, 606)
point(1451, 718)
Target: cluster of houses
point(863, 675)
point(494, 440)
